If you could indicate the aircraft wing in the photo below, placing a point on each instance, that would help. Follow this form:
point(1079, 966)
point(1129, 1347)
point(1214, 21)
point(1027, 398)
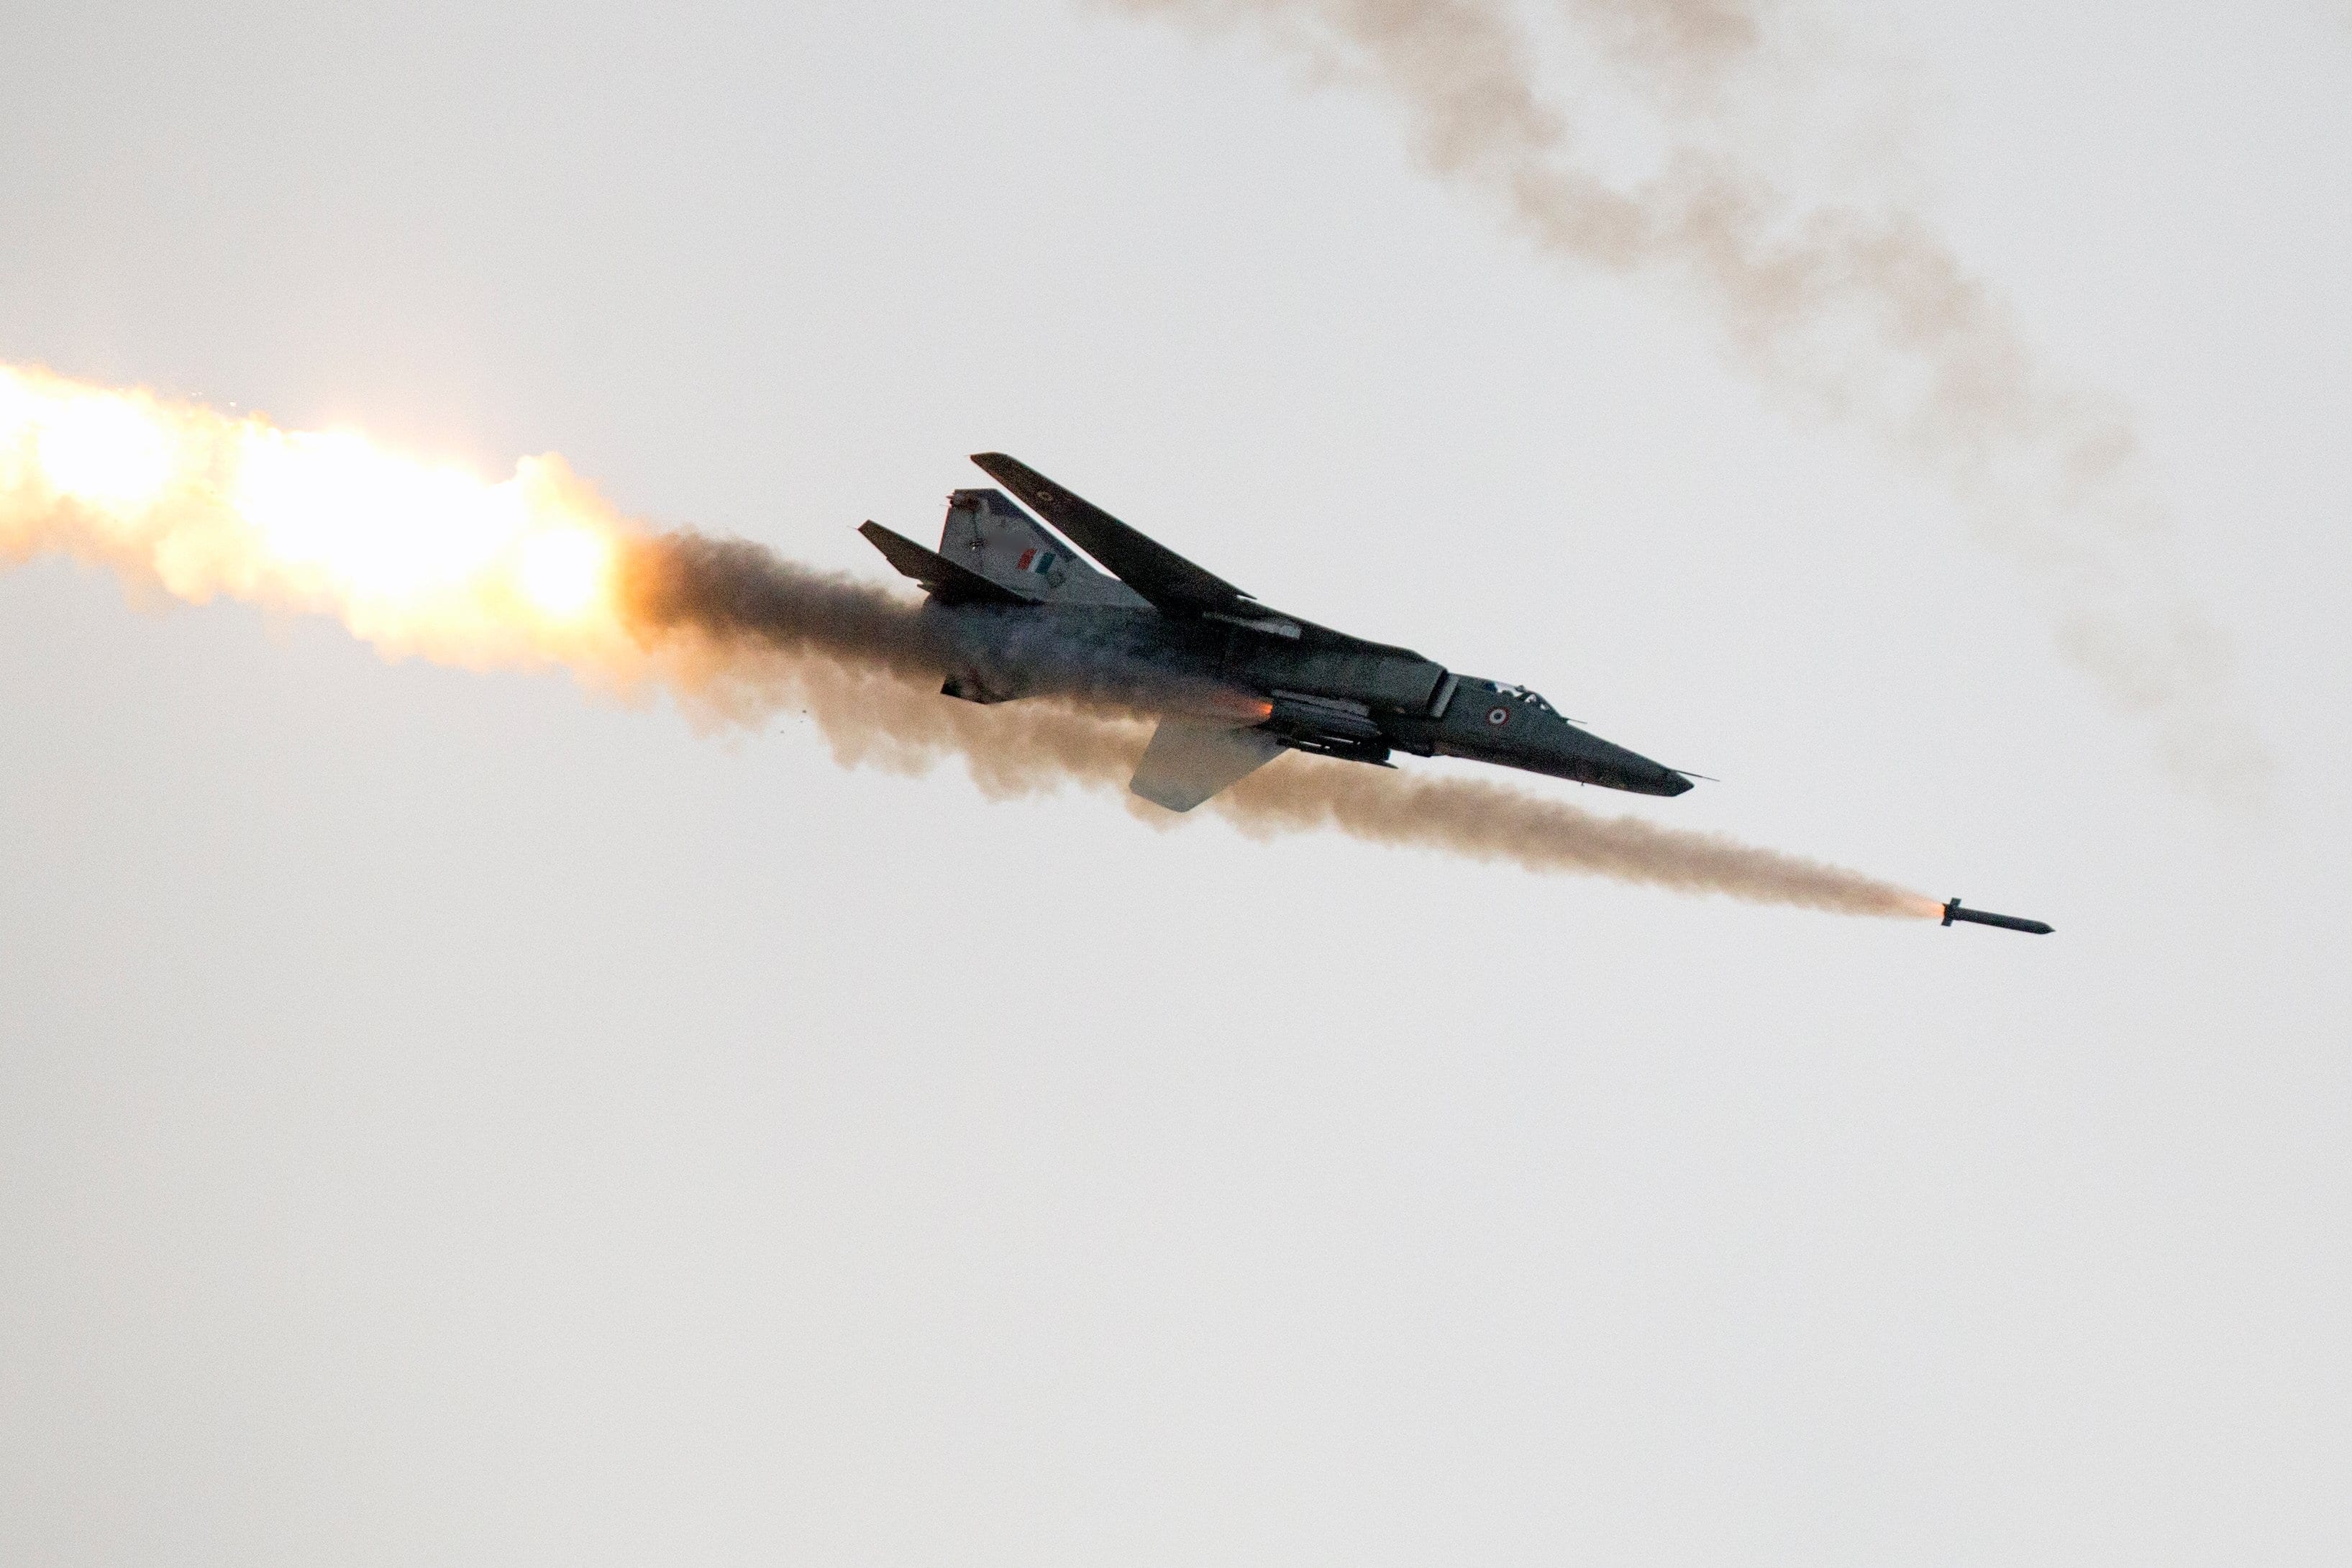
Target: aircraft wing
point(1169, 581)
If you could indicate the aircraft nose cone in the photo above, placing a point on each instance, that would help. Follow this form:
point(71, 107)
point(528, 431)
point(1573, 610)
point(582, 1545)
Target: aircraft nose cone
point(1586, 757)
point(1654, 778)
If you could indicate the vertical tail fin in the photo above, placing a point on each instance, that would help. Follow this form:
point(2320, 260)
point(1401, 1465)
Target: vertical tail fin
point(986, 533)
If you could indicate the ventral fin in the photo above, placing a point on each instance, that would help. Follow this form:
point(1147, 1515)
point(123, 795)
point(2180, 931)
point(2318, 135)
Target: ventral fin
point(1188, 760)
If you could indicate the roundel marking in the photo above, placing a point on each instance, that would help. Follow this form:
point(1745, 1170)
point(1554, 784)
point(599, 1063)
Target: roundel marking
point(1498, 717)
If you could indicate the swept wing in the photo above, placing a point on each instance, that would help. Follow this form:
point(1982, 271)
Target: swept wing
point(1169, 581)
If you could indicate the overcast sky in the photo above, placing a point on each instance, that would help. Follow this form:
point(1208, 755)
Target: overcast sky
point(448, 1118)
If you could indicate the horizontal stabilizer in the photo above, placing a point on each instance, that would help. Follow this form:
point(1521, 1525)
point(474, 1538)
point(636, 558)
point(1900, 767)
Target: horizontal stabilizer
point(1151, 569)
point(941, 577)
point(1188, 761)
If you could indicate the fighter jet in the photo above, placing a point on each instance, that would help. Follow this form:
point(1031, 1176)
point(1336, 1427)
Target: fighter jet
point(1016, 611)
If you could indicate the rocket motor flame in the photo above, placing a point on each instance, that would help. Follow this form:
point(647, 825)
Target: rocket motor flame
point(537, 571)
point(412, 557)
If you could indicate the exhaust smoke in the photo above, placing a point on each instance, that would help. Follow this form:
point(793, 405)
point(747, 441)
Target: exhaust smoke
point(537, 571)
point(1871, 317)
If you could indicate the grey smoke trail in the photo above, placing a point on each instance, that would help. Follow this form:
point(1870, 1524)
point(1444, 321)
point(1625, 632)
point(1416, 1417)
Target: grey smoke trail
point(1491, 822)
point(742, 632)
point(1686, 45)
point(732, 588)
point(1870, 317)
point(739, 634)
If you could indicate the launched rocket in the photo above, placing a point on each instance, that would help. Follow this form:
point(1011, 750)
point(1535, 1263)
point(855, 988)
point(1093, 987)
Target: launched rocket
point(1952, 912)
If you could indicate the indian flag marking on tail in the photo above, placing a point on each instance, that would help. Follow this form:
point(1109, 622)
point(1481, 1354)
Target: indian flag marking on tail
point(1037, 561)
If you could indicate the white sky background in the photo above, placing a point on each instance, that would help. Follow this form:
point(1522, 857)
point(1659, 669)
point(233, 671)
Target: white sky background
point(446, 1119)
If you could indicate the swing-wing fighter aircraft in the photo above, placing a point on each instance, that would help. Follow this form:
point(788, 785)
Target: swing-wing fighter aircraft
point(1233, 682)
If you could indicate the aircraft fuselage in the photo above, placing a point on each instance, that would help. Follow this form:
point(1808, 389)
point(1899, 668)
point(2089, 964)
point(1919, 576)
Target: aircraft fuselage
point(1015, 612)
point(1355, 706)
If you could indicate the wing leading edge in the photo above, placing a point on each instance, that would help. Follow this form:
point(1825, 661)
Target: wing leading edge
point(1165, 578)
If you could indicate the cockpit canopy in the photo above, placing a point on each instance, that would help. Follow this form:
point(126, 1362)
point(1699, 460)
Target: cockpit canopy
point(1520, 695)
